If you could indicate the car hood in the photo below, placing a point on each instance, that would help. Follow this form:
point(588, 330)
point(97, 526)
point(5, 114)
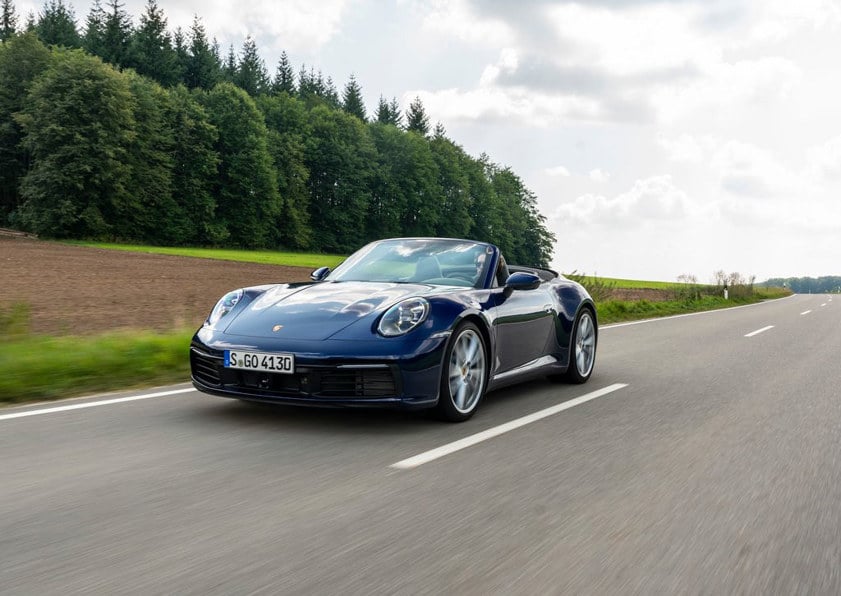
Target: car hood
point(318, 311)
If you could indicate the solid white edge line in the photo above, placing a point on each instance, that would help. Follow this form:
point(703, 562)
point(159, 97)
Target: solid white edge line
point(758, 331)
point(690, 314)
point(92, 404)
point(805, 312)
point(490, 433)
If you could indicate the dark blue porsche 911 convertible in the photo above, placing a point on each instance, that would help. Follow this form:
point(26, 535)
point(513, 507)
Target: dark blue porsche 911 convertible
point(409, 322)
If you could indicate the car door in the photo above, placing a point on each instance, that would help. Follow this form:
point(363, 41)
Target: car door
point(523, 324)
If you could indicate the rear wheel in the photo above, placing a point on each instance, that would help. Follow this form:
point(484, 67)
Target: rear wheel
point(583, 350)
point(463, 374)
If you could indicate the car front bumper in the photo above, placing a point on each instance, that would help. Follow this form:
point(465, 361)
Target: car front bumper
point(337, 380)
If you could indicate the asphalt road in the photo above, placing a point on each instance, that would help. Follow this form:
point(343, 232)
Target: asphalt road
point(716, 470)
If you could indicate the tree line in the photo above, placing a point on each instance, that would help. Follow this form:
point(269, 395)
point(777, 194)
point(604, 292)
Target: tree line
point(808, 285)
point(136, 134)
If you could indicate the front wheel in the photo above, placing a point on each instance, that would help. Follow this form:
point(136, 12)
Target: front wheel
point(463, 374)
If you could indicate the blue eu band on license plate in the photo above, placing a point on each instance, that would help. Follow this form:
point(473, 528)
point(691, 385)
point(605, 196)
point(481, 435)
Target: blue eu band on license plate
point(276, 362)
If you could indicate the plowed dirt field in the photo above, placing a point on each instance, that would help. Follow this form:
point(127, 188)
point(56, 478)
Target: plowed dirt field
point(79, 290)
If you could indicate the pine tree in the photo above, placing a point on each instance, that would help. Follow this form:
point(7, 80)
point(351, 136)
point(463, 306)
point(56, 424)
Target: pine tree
point(389, 112)
point(396, 117)
point(182, 56)
point(330, 94)
point(416, 118)
point(251, 72)
point(306, 84)
point(31, 23)
point(93, 39)
point(229, 68)
point(383, 113)
point(56, 25)
point(284, 80)
point(116, 34)
point(203, 69)
point(439, 132)
point(151, 51)
point(8, 20)
point(352, 102)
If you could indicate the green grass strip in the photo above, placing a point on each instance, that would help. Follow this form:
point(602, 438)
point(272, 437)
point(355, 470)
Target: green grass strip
point(39, 368)
point(617, 311)
point(264, 257)
point(632, 284)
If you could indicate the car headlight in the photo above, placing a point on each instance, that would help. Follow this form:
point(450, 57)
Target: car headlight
point(403, 317)
point(225, 305)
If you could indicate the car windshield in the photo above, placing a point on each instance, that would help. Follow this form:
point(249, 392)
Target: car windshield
point(418, 260)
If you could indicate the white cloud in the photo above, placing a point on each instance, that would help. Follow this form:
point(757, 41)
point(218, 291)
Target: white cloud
point(599, 175)
point(558, 171)
point(725, 87)
point(824, 161)
point(490, 104)
point(748, 170)
point(456, 18)
point(652, 199)
point(683, 148)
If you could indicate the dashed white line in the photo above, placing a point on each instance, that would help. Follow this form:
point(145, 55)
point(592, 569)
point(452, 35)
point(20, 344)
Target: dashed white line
point(824, 304)
point(758, 331)
point(92, 404)
point(471, 440)
point(805, 312)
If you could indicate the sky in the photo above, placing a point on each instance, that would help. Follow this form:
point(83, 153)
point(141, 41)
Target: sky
point(662, 138)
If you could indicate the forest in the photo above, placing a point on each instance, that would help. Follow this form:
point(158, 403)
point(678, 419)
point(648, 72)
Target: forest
point(112, 130)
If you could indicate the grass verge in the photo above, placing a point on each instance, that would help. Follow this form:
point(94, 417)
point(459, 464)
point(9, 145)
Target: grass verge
point(617, 311)
point(264, 257)
point(39, 368)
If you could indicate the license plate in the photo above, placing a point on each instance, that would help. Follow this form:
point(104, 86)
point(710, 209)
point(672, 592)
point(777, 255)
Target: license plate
point(276, 362)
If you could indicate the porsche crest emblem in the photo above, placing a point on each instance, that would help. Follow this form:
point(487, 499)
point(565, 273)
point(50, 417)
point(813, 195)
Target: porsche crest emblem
point(277, 328)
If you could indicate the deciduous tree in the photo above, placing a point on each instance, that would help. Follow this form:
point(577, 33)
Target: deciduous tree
point(247, 199)
point(22, 59)
point(79, 125)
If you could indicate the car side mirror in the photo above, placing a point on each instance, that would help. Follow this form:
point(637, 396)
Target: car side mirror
point(320, 273)
point(522, 280)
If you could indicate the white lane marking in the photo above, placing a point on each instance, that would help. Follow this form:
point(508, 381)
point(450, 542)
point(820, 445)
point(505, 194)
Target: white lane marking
point(758, 331)
point(689, 314)
point(449, 448)
point(805, 312)
point(92, 404)
point(824, 304)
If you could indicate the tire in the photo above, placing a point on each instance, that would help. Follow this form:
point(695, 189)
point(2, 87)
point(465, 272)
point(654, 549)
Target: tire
point(582, 357)
point(464, 374)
